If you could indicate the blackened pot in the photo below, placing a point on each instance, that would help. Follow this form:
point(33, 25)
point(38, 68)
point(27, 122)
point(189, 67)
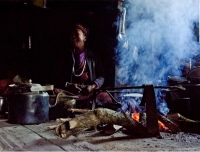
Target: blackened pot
point(28, 108)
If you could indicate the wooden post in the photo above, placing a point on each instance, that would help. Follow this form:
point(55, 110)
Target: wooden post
point(151, 111)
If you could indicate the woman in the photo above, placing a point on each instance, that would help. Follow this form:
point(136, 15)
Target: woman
point(80, 71)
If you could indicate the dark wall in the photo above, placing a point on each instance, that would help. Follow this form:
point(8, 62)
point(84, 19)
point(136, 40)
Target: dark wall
point(49, 30)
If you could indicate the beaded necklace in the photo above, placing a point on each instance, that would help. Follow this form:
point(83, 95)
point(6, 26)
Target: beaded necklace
point(73, 69)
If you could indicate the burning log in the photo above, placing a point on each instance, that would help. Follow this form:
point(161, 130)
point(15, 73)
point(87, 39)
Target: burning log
point(170, 124)
point(185, 124)
point(92, 118)
point(164, 123)
point(177, 116)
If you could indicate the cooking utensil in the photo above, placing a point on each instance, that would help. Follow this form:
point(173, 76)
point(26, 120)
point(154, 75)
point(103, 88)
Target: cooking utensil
point(28, 108)
point(30, 87)
point(174, 80)
point(2, 104)
point(42, 88)
point(194, 75)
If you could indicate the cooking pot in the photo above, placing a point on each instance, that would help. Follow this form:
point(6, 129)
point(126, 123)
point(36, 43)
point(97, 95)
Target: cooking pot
point(174, 80)
point(192, 85)
point(193, 76)
point(28, 108)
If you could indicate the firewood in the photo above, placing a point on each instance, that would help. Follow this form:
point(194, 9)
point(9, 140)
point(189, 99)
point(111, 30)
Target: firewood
point(168, 123)
point(185, 124)
point(52, 127)
point(61, 120)
point(188, 126)
point(97, 117)
point(79, 110)
point(177, 116)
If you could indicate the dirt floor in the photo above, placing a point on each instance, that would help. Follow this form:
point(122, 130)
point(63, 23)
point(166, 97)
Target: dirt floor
point(122, 142)
point(15, 137)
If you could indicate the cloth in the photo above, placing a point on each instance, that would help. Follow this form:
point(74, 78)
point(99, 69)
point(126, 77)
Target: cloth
point(79, 58)
point(63, 73)
point(4, 87)
point(85, 30)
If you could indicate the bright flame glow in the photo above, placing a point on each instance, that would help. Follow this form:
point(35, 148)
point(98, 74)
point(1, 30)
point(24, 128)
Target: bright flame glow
point(136, 116)
point(162, 127)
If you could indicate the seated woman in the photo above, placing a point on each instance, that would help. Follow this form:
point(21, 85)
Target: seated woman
point(79, 71)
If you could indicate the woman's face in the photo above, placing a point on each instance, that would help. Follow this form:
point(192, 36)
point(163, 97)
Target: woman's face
point(78, 38)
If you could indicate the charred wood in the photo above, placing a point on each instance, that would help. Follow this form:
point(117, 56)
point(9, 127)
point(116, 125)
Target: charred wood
point(168, 123)
point(190, 127)
point(97, 117)
point(185, 124)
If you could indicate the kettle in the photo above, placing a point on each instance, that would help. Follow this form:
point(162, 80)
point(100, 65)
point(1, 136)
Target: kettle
point(28, 103)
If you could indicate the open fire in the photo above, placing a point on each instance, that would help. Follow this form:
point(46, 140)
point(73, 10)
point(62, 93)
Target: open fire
point(148, 123)
point(137, 116)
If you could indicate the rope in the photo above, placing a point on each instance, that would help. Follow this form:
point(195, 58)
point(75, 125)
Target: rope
point(56, 100)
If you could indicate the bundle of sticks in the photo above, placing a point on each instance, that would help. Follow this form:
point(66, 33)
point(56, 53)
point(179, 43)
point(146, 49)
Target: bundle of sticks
point(92, 118)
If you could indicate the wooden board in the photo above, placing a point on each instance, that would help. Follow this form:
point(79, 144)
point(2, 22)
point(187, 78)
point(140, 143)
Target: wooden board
point(15, 137)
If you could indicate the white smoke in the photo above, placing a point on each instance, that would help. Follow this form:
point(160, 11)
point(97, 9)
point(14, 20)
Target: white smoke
point(160, 34)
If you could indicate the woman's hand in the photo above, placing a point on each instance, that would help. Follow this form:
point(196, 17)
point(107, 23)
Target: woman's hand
point(73, 88)
point(88, 89)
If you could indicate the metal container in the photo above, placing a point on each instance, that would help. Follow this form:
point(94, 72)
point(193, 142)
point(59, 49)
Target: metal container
point(28, 108)
point(2, 103)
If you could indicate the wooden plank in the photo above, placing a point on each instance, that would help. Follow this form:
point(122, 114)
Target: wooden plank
point(20, 138)
point(14, 137)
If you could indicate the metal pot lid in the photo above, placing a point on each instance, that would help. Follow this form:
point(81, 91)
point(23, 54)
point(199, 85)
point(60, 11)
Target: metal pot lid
point(22, 87)
point(191, 85)
point(30, 87)
point(177, 79)
point(32, 93)
point(24, 84)
point(194, 73)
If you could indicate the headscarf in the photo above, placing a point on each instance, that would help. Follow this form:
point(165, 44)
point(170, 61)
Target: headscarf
point(82, 28)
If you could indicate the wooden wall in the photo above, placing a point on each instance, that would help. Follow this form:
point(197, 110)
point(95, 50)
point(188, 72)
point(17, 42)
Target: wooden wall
point(49, 30)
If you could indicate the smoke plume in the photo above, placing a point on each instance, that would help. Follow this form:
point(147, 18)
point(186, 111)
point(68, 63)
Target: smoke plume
point(159, 37)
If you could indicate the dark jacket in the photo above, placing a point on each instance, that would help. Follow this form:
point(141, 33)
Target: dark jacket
point(63, 69)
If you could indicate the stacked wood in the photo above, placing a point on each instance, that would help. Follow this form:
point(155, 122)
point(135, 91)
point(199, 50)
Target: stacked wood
point(92, 118)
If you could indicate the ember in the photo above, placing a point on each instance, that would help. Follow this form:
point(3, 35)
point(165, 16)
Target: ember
point(136, 116)
point(162, 127)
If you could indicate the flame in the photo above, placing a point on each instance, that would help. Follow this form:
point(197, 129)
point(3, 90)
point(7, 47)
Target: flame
point(162, 127)
point(136, 116)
